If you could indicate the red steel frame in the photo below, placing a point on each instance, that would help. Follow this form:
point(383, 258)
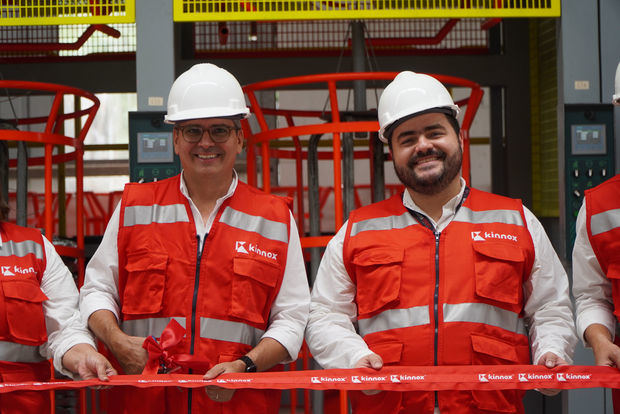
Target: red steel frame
point(51, 136)
point(335, 127)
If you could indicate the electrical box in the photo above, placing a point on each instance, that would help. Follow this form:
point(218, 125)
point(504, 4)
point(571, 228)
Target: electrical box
point(589, 151)
point(151, 149)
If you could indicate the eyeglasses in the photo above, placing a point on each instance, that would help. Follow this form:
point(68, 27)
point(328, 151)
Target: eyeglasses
point(217, 133)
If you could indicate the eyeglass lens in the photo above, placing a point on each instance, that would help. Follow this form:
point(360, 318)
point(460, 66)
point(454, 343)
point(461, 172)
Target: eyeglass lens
point(218, 133)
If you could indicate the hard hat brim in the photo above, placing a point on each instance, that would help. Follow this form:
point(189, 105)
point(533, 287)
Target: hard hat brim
point(202, 113)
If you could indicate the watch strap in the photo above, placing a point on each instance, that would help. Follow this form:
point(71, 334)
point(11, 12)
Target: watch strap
point(250, 366)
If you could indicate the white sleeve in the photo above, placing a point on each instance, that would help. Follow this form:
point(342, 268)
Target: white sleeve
point(331, 332)
point(548, 308)
point(65, 327)
point(100, 290)
point(591, 288)
point(289, 312)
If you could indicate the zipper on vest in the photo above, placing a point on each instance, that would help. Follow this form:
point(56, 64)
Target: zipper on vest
point(199, 251)
point(436, 303)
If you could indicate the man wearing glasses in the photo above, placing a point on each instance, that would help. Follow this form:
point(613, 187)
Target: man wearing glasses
point(203, 248)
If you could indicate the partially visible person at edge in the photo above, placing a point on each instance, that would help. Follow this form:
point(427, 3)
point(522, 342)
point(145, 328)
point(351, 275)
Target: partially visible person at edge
point(596, 269)
point(220, 257)
point(441, 274)
point(39, 319)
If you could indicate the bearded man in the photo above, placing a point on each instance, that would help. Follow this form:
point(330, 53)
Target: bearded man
point(442, 274)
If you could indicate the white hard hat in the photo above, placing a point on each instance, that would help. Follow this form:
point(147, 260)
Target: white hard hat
point(205, 91)
point(409, 94)
point(616, 99)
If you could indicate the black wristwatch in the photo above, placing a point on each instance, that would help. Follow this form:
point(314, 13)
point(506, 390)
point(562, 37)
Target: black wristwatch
point(250, 366)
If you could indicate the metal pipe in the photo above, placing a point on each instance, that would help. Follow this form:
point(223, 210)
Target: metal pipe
point(377, 162)
point(314, 202)
point(21, 206)
point(358, 51)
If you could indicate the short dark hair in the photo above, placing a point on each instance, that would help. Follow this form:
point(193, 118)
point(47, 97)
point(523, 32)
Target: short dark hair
point(451, 119)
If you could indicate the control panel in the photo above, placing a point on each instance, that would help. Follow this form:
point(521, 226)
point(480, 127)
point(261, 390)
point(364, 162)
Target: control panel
point(151, 148)
point(589, 151)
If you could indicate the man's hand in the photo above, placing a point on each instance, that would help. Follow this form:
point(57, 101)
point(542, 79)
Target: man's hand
point(85, 361)
point(130, 354)
point(220, 394)
point(127, 349)
point(373, 361)
point(606, 353)
point(550, 360)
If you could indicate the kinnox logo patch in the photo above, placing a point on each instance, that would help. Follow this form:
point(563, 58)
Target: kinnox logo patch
point(482, 378)
point(240, 247)
point(475, 236)
point(356, 379)
point(523, 378)
point(560, 376)
point(16, 270)
point(394, 378)
point(315, 380)
point(247, 248)
point(485, 235)
point(6, 271)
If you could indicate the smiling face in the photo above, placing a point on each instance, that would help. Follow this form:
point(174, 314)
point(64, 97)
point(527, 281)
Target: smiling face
point(427, 153)
point(206, 158)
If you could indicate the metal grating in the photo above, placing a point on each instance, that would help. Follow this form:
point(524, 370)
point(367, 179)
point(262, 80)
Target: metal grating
point(19, 42)
point(260, 10)
point(55, 12)
point(544, 115)
point(321, 37)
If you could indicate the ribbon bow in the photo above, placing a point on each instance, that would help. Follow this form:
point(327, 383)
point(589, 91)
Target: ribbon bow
point(160, 359)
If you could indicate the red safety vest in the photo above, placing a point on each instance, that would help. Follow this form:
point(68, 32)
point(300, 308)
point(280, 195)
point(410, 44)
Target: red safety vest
point(454, 298)
point(603, 225)
point(22, 321)
point(222, 294)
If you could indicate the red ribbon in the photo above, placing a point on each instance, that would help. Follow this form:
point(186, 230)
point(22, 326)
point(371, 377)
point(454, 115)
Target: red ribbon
point(428, 378)
point(161, 360)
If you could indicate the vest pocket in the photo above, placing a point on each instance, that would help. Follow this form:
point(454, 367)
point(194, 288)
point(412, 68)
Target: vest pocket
point(145, 285)
point(492, 351)
point(390, 352)
point(24, 310)
point(499, 271)
point(252, 287)
point(378, 275)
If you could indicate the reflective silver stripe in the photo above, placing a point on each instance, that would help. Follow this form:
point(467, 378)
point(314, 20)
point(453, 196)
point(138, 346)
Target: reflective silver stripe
point(605, 221)
point(173, 213)
point(230, 331)
point(12, 352)
point(150, 326)
point(486, 314)
point(394, 319)
point(21, 249)
point(269, 229)
point(489, 216)
point(383, 223)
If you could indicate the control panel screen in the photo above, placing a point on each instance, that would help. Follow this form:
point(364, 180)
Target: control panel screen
point(155, 147)
point(588, 139)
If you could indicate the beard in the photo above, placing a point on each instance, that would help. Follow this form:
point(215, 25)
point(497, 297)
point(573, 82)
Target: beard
point(432, 184)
